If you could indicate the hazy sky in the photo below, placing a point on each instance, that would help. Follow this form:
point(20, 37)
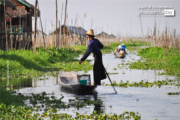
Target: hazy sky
point(112, 16)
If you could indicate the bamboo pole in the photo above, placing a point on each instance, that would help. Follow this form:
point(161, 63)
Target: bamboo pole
point(5, 26)
point(42, 29)
point(11, 35)
point(23, 35)
point(19, 28)
point(58, 35)
point(52, 30)
point(130, 28)
point(61, 22)
point(142, 30)
point(56, 24)
point(1, 46)
point(45, 26)
point(75, 28)
point(71, 32)
point(26, 26)
point(65, 20)
point(35, 25)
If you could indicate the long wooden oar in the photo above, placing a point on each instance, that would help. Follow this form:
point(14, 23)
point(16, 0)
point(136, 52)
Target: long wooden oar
point(110, 81)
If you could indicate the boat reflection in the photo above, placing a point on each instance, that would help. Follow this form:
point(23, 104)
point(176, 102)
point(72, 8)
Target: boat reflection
point(98, 107)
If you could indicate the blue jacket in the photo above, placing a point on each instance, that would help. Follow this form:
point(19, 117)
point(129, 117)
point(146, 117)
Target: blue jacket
point(124, 47)
point(94, 46)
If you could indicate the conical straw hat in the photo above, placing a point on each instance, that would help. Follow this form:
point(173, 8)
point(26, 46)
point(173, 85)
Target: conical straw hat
point(90, 32)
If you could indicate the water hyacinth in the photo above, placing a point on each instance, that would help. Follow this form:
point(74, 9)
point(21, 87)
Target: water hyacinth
point(173, 93)
point(52, 107)
point(112, 73)
point(143, 83)
point(159, 59)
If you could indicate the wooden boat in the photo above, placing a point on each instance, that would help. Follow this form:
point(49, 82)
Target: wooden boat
point(69, 80)
point(120, 54)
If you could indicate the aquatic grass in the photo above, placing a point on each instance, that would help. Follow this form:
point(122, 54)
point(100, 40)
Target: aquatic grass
point(159, 59)
point(23, 63)
point(113, 73)
point(173, 93)
point(45, 57)
point(7, 98)
point(50, 101)
point(114, 68)
point(143, 83)
point(130, 45)
point(50, 105)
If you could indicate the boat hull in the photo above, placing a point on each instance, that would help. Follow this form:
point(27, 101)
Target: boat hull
point(118, 55)
point(73, 85)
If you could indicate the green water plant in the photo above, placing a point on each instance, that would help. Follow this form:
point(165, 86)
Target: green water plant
point(173, 93)
point(159, 59)
point(143, 83)
point(50, 106)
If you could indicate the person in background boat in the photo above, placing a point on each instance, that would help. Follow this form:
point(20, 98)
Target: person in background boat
point(123, 47)
point(94, 46)
point(119, 47)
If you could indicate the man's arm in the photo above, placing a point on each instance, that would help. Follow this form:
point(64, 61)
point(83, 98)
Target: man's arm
point(87, 53)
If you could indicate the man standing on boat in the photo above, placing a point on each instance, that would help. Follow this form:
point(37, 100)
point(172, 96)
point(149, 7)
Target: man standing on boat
point(94, 46)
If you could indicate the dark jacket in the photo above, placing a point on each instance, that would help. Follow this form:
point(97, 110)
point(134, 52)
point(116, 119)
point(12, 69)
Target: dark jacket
point(98, 69)
point(94, 46)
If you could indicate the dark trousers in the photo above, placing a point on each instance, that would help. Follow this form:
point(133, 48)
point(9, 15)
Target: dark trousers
point(98, 69)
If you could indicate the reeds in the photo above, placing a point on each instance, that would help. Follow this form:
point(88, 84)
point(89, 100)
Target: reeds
point(166, 39)
point(64, 41)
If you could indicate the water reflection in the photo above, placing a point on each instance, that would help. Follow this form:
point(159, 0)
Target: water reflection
point(87, 96)
point(16, 83)
point(43, 81)
point(98, 107)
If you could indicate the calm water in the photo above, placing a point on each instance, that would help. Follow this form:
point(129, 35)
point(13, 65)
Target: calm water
point(154, 103)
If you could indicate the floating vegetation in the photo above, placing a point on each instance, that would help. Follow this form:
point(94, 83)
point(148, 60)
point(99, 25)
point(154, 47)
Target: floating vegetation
point(122, 63)
point(143, 83)
point(174, 93)
point(22, 112)
point(160, 59)
point(94, 115)
point(51, 106)
point(114, 68)
point(113, 73)
point(50, 101)
point(119, 67)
